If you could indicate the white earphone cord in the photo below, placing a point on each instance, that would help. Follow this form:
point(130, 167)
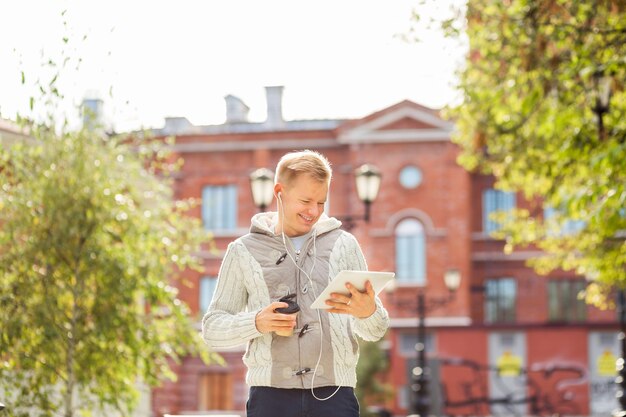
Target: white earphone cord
point(319, 317)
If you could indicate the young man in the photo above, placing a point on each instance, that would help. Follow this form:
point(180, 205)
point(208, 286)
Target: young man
point(295, 252)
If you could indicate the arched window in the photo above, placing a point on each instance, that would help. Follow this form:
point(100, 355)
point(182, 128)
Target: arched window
point(410, 252)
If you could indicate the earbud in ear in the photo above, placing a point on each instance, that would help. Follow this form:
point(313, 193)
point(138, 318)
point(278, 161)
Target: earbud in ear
point(278, 195)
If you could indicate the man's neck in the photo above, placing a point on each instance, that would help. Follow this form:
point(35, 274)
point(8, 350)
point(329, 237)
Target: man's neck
point(278, 229)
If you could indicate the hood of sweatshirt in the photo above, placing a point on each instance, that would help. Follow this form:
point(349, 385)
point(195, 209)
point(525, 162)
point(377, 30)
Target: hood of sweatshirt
point(266, 222)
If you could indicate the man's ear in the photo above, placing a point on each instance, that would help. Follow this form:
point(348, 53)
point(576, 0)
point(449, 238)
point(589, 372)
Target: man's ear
point(278, 188)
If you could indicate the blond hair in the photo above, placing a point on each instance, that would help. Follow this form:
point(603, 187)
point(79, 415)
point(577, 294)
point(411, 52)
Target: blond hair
point(308, 162)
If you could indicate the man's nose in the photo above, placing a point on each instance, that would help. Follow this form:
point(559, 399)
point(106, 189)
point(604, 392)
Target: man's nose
point(314, 210)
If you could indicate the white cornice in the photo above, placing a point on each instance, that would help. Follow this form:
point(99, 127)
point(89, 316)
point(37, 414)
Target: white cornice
point(253, 145)
point(412, 322)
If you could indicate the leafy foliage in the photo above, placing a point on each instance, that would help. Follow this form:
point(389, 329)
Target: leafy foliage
point(529, 117)
point(90, 246)
point(372, 363)
point(90, 237)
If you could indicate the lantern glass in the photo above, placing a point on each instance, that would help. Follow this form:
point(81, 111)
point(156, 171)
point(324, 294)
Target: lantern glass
point(603, 84)
point(452, 278)
point(368, 179)
point(262, 185)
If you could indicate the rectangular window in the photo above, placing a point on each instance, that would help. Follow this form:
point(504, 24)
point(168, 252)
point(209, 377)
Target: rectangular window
point(219, 207)
point(563, 302)
point(500, 295)
point(215, 391)
point(207, 288)
point(495, 201)
point(411, 259)
point(565, 226)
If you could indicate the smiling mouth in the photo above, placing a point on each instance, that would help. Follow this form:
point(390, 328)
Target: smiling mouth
point(307, 218)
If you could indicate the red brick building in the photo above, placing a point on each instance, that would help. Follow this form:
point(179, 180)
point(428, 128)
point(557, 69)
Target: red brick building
point(507, 342)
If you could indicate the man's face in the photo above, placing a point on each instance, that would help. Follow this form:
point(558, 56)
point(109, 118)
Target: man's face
point(302, 205)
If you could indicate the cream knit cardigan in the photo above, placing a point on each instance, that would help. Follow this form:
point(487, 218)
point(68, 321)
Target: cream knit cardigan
point(250, 278)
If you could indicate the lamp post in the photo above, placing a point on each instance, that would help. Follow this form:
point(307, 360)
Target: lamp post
point(603, 84)
point(367, 179)
point(602, 87)
point(420, 375)
point(620, 365)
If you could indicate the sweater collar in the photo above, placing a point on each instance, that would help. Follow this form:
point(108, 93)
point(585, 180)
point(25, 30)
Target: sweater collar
point(265, 223)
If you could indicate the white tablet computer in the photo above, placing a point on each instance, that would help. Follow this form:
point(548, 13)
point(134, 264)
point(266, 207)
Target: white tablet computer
point(357, 278)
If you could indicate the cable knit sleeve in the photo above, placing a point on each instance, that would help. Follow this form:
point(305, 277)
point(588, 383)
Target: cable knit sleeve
point(227, 322)
point(373, 327)
point(351, 257)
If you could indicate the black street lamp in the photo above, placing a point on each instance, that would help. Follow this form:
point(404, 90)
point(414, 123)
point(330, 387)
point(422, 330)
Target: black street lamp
point(602, 84)
point(620, 365)
point(367, 179)
point(420, 376)
point(262, 186)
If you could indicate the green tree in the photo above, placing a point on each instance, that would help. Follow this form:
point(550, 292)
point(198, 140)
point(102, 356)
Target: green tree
point(369, 389)
point(90, 242)
point(529, 118)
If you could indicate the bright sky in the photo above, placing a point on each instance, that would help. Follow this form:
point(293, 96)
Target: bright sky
point(152, 59)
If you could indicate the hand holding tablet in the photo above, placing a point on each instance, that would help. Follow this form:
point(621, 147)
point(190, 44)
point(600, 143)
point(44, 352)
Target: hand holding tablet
point(357, 278)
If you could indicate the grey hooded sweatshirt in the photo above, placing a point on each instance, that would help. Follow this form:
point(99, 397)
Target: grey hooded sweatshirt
point(253, 275)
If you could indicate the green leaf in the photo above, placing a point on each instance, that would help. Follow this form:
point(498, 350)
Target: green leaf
point(527, 118)
point(88, 290)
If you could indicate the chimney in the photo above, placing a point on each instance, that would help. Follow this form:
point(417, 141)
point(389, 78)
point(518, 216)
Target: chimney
point(176, 125)
point(274, 95)
point(236, 110)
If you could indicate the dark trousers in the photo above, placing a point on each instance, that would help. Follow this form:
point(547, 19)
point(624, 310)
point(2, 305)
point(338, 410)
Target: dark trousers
point(279, 402)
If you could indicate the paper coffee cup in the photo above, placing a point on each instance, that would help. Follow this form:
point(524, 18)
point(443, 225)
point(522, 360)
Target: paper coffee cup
point(285, 333)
